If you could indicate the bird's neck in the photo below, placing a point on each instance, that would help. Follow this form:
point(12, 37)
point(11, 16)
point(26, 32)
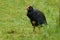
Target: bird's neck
point(30, 10)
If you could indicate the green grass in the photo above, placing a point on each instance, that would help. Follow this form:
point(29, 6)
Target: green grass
point(13, 18)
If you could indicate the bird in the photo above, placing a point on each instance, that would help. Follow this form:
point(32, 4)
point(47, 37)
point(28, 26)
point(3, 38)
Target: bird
point(36, 17)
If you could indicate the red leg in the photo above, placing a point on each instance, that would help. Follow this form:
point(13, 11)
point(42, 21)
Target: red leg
point(33, 28)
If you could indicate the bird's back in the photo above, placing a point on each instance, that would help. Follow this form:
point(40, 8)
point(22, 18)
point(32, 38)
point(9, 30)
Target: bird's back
point(37, 16)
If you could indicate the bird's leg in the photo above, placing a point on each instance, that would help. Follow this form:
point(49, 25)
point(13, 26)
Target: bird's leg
point(33, 24)
point(33, 28)
point(39, 29)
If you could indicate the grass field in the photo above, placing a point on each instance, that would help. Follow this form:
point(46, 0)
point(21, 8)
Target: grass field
point(15, 25)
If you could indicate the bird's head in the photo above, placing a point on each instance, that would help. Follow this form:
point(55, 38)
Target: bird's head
point(29, 8)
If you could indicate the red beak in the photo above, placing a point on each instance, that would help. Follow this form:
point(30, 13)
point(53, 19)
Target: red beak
point(27, 8)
